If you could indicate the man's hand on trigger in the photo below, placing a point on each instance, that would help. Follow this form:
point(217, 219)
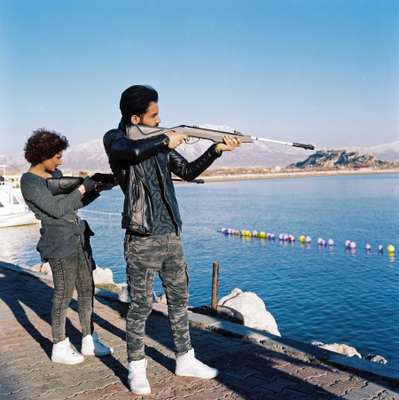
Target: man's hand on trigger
point(229, 143)
point(175, 139)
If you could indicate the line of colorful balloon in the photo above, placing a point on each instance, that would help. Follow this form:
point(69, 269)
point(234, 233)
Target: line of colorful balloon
point(284, 237)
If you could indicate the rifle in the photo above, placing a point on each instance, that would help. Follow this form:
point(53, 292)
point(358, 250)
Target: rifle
point(67, 184)
point(137, 132)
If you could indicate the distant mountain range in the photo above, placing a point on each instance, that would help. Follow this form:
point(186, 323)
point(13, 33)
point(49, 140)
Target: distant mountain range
point(90, 156)
point(384, 152)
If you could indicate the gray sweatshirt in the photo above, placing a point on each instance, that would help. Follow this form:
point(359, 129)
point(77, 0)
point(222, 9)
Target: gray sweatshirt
point(61, 231)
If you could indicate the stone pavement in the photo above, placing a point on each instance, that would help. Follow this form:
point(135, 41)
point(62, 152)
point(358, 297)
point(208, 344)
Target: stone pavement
point(248, 370)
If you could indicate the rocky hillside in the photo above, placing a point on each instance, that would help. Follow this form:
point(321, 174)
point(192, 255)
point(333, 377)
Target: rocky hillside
point(340, 159)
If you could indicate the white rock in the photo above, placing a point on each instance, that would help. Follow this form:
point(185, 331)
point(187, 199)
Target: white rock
point(344, 349)
point(36, 267)
point(102, 276)
point(44, 268)
point(252, 309)
point(377, 358)
point(124, 296)
point(161, 299)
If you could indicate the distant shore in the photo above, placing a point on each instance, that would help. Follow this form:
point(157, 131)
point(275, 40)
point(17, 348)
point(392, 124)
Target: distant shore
point(232, 175)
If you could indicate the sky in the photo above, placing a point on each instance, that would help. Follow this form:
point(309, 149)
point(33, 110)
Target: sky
point(315, 71)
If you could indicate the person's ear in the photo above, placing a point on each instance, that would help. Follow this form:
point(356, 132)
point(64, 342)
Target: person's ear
point(135, 119)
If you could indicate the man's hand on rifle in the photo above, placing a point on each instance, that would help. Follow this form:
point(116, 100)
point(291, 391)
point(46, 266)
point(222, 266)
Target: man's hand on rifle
point(229, 143)
point(176, 139)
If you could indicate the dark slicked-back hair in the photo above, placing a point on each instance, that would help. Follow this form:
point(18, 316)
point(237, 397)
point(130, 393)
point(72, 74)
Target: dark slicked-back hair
point(135, 101)
point(44, 144)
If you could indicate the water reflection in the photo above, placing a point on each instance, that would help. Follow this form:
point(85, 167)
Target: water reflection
point(18, 245)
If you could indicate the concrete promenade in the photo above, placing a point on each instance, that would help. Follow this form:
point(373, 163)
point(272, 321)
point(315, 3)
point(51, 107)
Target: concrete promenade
point(248, 370)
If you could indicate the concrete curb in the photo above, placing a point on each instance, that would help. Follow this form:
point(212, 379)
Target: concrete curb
point(271, 341)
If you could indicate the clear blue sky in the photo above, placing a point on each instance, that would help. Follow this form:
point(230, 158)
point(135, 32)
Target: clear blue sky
point(322, 71)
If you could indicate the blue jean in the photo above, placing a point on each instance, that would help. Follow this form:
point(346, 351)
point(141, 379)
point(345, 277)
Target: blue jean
point(68, 273)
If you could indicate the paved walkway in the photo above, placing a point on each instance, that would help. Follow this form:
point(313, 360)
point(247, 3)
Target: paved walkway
point(248, 370)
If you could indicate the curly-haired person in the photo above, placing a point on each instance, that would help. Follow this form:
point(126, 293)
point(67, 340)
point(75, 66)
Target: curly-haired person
point(64, 243)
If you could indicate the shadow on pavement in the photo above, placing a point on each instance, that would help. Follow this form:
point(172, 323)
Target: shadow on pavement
point(37, 295)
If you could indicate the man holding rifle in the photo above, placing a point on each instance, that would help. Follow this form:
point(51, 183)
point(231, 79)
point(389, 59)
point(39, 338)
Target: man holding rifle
point(152, 221)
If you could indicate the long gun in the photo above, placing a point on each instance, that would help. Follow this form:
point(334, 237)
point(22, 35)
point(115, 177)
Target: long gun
point(67, 184)
point(137, 132)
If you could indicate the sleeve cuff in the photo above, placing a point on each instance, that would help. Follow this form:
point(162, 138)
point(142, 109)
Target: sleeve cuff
point(166, 141)
point(216, 152)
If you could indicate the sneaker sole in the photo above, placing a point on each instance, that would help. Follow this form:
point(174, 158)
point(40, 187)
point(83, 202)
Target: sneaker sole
point(196, 376)
point(141, 392)
point(67, 362)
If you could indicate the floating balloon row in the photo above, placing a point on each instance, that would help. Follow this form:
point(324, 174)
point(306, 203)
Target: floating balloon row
point(303, 239)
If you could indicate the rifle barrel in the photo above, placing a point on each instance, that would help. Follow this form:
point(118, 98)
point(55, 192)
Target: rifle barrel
point(294, 144)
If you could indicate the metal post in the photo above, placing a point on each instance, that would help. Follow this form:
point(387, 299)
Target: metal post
point(215, 286)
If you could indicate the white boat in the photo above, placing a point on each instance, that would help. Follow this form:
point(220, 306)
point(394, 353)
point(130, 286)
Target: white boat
point(13, 210)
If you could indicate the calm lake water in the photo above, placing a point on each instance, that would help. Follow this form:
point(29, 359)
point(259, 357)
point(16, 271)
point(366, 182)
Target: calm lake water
point(315, 294)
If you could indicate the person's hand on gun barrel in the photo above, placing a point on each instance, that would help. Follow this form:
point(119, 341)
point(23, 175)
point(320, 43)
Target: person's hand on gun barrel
point(229, 141)
point(104, 181)
point(98, 182)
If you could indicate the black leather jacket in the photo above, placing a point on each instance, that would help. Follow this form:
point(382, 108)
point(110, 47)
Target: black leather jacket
point(125, 158)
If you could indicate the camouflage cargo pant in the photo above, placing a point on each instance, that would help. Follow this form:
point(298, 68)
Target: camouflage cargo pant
point(146, 256)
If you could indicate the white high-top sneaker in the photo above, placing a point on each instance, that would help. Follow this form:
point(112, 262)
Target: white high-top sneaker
point(138, 378)
point(188, 365)
point(92, 346)
point(64, 353)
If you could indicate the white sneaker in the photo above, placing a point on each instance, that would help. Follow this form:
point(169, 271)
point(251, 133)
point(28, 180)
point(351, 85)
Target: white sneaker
point(64, 353)
point(138, 378)
point(188, 365)
point(91, 346)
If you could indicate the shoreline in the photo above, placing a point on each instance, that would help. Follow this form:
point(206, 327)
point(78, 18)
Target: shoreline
point(296, 174)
